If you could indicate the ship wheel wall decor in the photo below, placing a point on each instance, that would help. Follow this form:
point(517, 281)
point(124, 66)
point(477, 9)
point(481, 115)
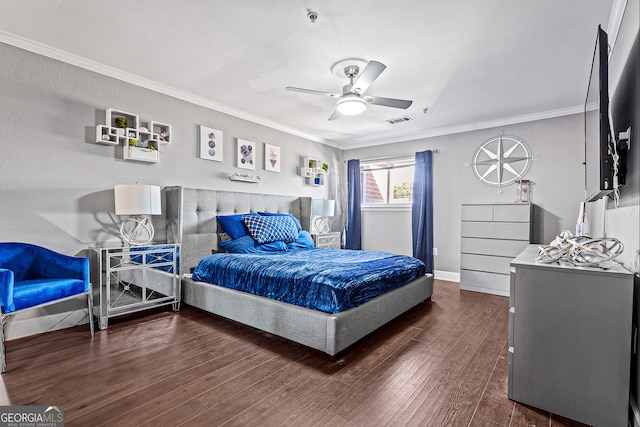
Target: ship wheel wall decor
point(501, 160)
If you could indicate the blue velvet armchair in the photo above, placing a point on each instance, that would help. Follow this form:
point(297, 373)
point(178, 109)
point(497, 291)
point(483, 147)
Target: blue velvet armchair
point(32, 276)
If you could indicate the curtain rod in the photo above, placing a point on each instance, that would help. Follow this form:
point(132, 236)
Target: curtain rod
point(378, 159)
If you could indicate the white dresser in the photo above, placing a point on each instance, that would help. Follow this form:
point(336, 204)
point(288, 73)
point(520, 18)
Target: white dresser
point(492, 235)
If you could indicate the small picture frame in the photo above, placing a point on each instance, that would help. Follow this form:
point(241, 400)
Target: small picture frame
point(211, 144)
point(245, 154)
point(272, 158)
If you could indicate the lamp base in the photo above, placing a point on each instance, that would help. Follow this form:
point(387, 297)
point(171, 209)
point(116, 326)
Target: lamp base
point(322, 225)
point(137, 231)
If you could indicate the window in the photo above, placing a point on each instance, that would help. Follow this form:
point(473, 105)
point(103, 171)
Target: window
point(387, 183)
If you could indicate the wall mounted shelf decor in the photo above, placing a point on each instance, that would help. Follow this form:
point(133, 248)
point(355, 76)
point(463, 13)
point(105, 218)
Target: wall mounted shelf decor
point(245, 178)
point(315, 171)
point(140, 139)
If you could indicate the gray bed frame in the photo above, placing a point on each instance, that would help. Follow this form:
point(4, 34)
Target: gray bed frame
point(191, 221)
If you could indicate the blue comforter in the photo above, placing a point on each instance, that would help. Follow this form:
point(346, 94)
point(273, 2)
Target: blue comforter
point(321, 279)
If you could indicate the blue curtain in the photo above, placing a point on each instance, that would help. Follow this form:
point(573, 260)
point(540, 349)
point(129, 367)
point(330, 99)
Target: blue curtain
point(354, 238)
point(422, 209)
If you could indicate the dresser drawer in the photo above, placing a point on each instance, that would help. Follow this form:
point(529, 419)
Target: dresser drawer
point(481, 281)
point(327, 241)
point(488, 263)
point(477, 212)
point(512, 213)
point(496, 230)
point(506, 248)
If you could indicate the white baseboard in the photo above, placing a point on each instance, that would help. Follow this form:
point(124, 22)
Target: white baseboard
point(448, 276)
point(485, 290)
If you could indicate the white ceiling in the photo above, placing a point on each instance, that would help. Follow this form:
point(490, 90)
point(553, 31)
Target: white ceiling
point(473, 64)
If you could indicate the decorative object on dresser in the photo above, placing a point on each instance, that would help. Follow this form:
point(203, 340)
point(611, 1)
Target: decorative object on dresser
point(581, 251)
point(139, 139)
point(492, 235)
point(137, 200)
point(135, 278)
point(32, 277)
point(524, 191)
point(570, 339)
point(322, 209)
point(211, 144)
point(327, 240)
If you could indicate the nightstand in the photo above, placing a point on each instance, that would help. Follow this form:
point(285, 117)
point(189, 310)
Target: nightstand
point(129, 279)
point(327, 240)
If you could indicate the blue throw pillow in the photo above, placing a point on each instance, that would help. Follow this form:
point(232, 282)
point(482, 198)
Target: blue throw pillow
point(304, 241)
point(233, 224)
point(267, 229)
point(246, 245)
point(283, 214)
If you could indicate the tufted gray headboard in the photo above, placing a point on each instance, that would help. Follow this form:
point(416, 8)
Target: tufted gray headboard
point(191, 216)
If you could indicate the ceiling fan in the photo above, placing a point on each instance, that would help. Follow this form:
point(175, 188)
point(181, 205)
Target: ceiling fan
point(352, 101)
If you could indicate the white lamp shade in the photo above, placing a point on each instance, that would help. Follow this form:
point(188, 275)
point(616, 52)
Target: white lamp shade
point(323, 207)
point(137, 199)
point(351, 105)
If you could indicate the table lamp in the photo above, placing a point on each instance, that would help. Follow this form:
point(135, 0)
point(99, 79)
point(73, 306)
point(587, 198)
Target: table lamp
point(137, 200)
point(322, 209)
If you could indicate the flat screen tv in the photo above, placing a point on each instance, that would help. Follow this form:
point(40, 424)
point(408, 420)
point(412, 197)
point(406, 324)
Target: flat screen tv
point(599, 146)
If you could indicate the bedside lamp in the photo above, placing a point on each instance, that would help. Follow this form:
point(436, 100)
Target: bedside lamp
point(137, 200)
point(322, 209)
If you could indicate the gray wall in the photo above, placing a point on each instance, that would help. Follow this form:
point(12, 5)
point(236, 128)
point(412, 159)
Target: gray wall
point(557, 175)
point(56, 184)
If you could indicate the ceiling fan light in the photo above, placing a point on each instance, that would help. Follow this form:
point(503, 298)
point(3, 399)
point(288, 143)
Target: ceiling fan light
point(351, 105)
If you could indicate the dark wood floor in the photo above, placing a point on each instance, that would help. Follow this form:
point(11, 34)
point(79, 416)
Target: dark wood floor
point(441, 364)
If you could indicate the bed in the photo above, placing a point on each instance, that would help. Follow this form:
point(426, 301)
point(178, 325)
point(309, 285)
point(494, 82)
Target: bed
point(191, 216)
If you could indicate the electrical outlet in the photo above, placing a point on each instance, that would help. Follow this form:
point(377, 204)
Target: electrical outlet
point(435, 251)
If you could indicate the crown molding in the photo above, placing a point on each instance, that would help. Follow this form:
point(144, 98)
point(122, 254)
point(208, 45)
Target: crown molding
point(450, 130)
point(90, 65)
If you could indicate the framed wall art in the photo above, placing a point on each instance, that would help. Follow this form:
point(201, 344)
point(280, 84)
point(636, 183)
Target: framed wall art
point(211, 144)
point(245, 154)
point(271, 158)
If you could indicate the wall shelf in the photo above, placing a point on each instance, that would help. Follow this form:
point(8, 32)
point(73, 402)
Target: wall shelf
point(245, 178)
point(314, 171)
point(146, 136)
point(141, 154)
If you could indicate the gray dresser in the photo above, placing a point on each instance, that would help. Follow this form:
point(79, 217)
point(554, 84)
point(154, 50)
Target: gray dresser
point(570, 336)
point(492, 235)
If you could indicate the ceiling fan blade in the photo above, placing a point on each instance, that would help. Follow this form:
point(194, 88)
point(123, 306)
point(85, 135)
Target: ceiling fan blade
point(368, 75)
point(313, 92)
point(335, 116)
point(388, 102)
